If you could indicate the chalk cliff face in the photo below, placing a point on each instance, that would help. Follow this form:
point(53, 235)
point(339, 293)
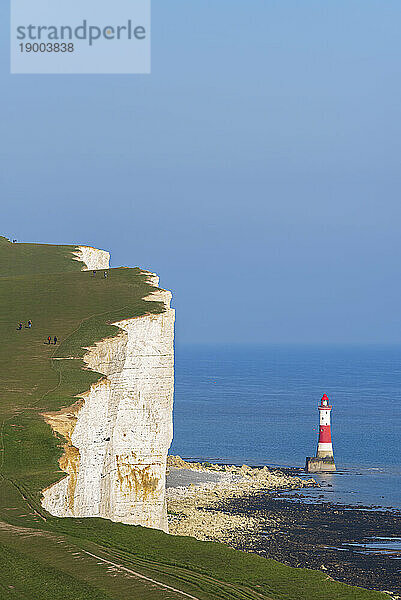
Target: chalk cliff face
point(119, 433)
point(92, 258)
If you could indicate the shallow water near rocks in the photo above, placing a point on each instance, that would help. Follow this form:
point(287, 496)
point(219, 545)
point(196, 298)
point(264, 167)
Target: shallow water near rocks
point(375, 488)
point(391, 547)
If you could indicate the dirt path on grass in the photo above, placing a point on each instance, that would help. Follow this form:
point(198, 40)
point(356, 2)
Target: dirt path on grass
point(53, 550)
point(163, 585)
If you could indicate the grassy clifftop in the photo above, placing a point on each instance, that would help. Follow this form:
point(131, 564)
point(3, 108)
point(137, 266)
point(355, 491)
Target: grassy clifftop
point(30, 259)
point(72, 305)
point(49, 558)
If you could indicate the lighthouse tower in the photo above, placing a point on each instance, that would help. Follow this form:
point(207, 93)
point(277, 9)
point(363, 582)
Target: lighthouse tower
point(324, 459)
point(324, 445)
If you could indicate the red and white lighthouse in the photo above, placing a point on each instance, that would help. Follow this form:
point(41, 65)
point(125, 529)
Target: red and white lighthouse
point(325, 446)
point(324, 459)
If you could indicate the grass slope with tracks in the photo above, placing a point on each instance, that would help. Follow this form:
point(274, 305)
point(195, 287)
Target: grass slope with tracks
point(94, 559)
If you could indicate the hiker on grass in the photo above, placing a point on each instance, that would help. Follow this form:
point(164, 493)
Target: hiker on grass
point(105, 274)
point(49, 339)
point(19, 326)
point(29, 324)
point(94, 273)
point(55, 340)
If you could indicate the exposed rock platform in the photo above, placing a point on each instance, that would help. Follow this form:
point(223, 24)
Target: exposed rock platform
point(194, 492)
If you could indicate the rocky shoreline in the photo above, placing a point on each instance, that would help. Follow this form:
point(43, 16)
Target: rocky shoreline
point(243, 508)
point(195, 491)
point(321, 536)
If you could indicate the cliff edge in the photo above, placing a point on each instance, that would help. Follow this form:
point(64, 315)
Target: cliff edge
point(118, 433)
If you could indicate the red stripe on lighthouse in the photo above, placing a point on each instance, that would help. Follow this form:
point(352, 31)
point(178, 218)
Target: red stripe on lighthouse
point(325, 434)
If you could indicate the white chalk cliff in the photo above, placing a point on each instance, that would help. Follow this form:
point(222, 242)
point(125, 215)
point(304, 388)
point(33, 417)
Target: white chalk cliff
point(118, 434)
point(92, 258)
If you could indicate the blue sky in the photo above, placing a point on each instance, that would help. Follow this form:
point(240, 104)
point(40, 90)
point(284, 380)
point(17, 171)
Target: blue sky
point(257, 170)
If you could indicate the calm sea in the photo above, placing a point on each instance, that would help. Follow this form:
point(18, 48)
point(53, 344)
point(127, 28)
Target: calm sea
point(258, 405)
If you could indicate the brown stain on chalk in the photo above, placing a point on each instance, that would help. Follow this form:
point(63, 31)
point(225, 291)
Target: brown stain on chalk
point(136, 480)
point(69, 463)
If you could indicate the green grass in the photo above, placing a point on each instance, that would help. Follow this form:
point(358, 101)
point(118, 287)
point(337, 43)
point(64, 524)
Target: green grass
point(45, 557)
point(30, 259)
